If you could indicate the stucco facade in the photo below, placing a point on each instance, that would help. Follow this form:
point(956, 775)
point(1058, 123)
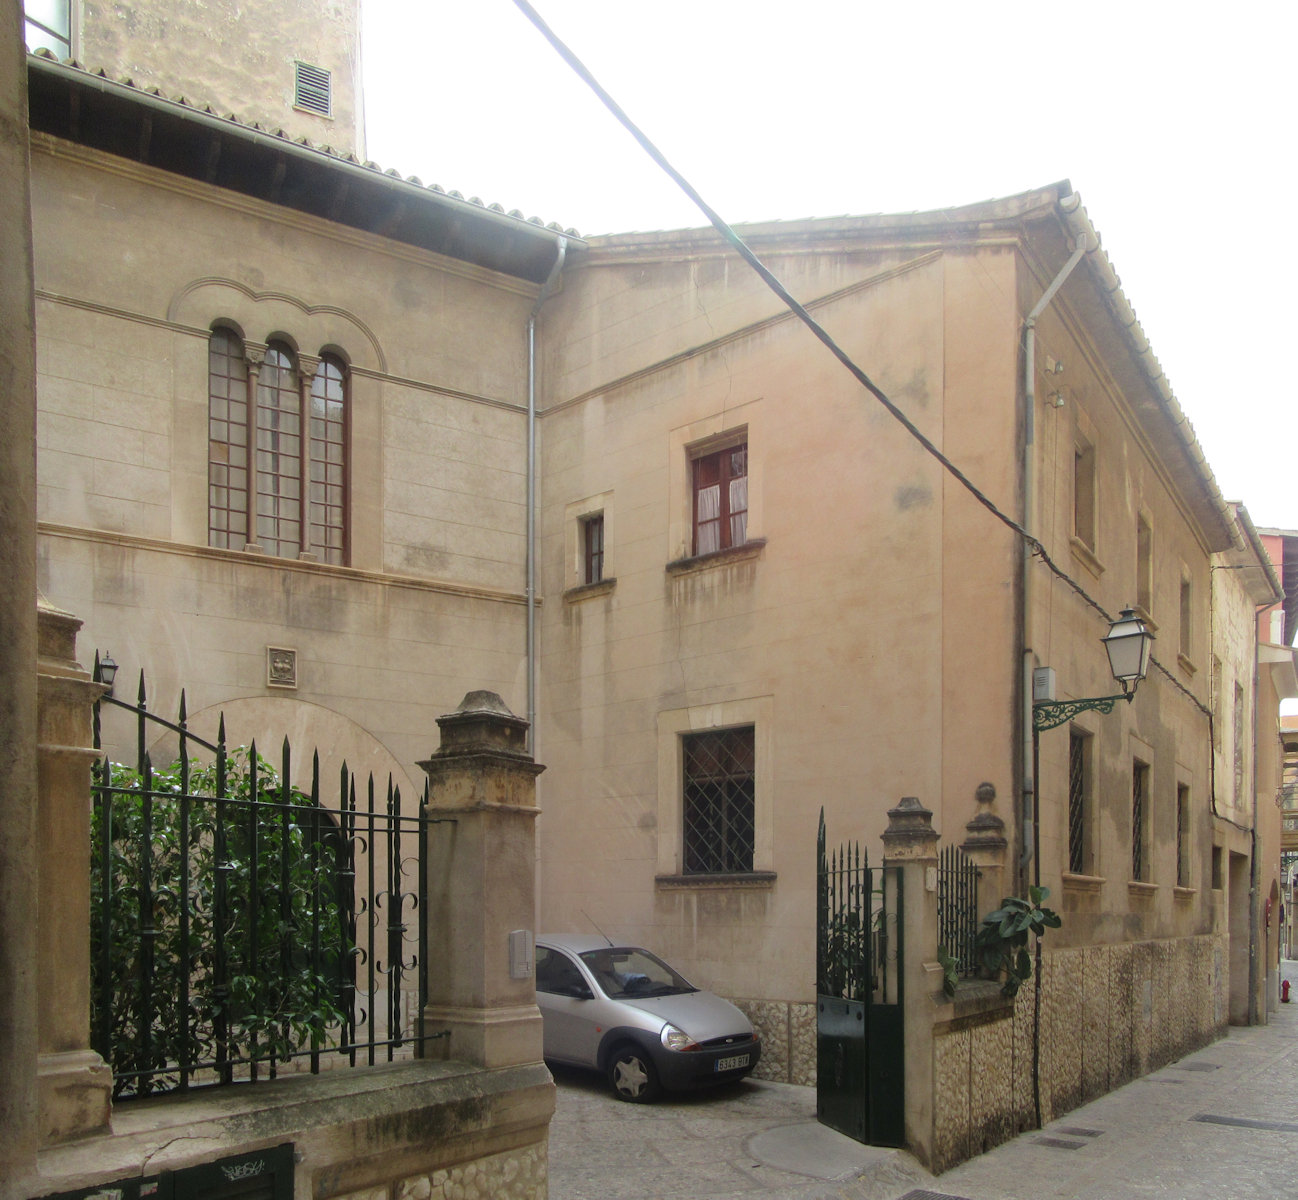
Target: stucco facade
point(871, 627)
point(877, 627)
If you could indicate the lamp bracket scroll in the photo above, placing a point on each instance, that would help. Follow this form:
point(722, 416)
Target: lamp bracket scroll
point(1047, 714)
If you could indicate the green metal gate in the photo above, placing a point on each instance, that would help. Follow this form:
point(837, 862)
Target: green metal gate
point(860, 1061)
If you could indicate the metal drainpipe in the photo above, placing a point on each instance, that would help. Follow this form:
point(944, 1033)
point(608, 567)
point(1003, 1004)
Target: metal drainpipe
point(1030, 814)
point(547, 289)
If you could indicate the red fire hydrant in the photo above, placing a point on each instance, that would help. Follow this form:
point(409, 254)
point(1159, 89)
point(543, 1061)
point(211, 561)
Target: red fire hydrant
point(1284, 992)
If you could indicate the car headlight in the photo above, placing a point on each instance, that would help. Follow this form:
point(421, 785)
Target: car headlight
point(677, 1039)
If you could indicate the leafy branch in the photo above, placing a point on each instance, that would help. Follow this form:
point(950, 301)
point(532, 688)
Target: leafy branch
point(1002, 942)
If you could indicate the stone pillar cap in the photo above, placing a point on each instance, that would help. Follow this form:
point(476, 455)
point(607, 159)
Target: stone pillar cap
point(482, 723)
point(909, 824)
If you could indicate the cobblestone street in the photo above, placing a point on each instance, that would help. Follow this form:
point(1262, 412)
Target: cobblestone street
point(1220, 1124)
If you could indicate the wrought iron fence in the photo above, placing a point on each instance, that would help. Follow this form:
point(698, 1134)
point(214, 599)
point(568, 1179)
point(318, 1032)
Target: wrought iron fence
point(957, 907)
point(852, 923)
point(239, 927)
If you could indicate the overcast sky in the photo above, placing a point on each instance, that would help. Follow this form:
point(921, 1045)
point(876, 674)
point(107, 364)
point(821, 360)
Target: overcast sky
point(1174, 122)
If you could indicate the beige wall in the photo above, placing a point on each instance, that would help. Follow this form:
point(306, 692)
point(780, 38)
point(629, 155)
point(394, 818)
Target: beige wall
point(236, 57)
point(1089, 403)
point(874, 638)
point(848, 640)
point(133, 268)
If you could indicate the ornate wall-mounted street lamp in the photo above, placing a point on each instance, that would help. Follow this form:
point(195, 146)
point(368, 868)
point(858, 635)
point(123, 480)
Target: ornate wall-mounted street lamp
point(1128, 643)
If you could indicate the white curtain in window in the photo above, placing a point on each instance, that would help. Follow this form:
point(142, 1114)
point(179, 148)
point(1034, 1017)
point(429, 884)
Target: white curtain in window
point(739, 511)
point(709, 519)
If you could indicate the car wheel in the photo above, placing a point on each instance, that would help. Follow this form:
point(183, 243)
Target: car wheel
point(632, 1076)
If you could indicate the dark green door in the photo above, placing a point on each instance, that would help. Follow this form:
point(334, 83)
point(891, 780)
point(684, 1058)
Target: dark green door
point(860, 1061)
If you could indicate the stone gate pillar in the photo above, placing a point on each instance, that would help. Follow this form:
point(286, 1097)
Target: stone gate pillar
point(74, 1086)
point(910, 847)
point(481, 888)
point(986, 844)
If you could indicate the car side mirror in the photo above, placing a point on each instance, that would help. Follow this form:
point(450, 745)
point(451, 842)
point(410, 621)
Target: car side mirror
point(580, 991)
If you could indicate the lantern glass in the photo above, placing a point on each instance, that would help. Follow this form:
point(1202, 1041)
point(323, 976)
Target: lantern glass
point(1128, 643)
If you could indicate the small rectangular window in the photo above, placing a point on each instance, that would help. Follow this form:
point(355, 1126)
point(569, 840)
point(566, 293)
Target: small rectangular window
point(1238, 748)
point(1187, 617)
point(1144, 565)
point(592, 531)
point(1182, 835)
point(721, 499)
point(1139, 820)
point(1079, 805)
point(312, 89)
point(718, 801)
point(1084, 493)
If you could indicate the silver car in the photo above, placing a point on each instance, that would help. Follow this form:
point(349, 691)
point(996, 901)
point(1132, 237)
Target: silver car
point(626, 1013)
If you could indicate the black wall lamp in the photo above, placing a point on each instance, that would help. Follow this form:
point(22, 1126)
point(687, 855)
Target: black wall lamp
point(105, 670)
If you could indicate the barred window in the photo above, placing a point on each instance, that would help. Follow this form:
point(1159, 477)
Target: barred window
point(718, 795)
point(1139, 821)
point(1182, 835)
point(1079, 804)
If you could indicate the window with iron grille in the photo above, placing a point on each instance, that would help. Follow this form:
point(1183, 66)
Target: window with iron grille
point(1139, 820)
point(1182, 835)
point(277, 452)
point(312, 89)
point(718, 801)
point(721, 499)
point(1079, 837)
point(592, 532)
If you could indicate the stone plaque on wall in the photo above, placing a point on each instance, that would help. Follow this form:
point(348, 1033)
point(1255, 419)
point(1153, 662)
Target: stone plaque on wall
point(281, 667)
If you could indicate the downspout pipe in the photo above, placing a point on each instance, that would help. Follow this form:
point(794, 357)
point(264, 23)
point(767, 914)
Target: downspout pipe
point(547, 290)
point(1030, 814)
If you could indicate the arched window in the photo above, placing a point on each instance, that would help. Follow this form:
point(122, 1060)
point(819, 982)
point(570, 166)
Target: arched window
point(227, 442)
point(279, 454)
point(277, 451)
point(327, 492)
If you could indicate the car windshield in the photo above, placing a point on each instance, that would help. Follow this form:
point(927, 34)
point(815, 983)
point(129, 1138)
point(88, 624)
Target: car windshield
point(627, 973)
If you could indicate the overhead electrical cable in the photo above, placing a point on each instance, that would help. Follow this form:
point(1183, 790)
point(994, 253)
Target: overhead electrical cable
point(769, 278)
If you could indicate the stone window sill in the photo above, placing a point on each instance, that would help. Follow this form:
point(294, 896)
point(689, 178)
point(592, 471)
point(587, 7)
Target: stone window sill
point(1186, 664)
point(1082, 883)
point(1138, 889)
point(1184, 893)
point(759, 880)
point(1086, 556)
point(587, 591)
point(731, 554)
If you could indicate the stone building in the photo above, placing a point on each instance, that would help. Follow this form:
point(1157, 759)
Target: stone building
point(298, 418)
point(765, 598)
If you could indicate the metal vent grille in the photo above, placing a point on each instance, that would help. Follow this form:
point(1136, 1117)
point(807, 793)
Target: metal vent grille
point(311, 90)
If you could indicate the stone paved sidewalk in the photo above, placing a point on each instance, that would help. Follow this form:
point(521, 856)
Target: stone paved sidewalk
point(1221, 1124)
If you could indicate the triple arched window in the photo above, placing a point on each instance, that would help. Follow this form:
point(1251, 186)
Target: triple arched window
point(277, 450)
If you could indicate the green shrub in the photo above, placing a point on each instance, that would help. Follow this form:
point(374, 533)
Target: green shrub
point(196, 972)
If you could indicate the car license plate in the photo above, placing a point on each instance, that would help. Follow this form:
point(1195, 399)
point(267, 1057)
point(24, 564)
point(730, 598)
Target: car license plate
point(733, 1063)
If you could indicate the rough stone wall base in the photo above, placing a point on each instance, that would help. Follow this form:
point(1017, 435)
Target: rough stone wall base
point(1108, 1015)
point(788, 1033)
